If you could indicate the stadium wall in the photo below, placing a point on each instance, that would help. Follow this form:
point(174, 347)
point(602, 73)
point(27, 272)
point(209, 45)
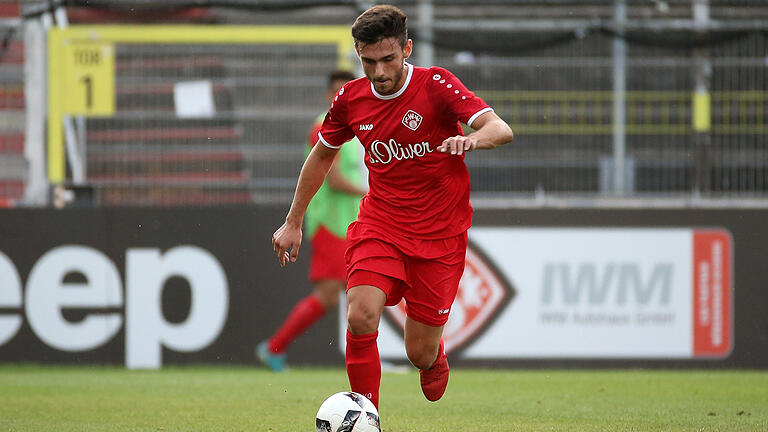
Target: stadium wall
point(543, 288)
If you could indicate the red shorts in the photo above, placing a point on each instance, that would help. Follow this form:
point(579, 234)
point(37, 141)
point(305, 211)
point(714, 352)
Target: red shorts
point(425, 273)
point(327, 260)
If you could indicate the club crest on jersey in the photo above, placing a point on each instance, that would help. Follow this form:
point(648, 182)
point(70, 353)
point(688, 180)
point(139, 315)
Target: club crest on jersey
point(412, 120)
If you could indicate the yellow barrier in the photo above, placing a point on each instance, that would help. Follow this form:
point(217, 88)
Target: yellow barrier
point(648, 112)
point(92, 73)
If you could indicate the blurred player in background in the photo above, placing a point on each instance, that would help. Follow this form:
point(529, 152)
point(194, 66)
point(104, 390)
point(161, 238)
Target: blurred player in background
point(410, 238)
point(333, 208)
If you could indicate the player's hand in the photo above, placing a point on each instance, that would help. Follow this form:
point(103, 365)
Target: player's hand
point(286, 242)
point(457, 145)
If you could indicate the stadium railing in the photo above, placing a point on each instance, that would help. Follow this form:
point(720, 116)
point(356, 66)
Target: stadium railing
point(552, 83)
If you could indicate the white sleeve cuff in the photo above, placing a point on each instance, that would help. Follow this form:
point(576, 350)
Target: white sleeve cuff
point(325, 143)
point(476, 115)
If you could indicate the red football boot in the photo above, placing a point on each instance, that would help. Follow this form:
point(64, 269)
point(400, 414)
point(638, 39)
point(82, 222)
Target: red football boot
point(435, 379)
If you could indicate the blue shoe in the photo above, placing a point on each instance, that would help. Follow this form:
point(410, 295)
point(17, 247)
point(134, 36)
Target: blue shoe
point(276, 362)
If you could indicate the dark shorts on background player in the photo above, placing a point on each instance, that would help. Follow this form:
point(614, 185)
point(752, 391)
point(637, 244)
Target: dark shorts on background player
point(327, 258)
point(426, 273)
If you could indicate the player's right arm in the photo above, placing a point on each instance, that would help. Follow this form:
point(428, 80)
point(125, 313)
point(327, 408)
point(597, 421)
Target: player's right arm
point(333, 133)
point(286, 241)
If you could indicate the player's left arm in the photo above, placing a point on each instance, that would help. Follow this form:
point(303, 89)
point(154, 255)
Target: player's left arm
point(490, 132)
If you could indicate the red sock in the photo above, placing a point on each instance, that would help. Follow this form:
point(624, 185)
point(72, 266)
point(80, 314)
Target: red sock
point(304, 314)
point(363, 365)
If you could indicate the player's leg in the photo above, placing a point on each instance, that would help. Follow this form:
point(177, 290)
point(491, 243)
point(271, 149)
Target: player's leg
point(364, 306)
point(327, 292)
point(305, 313)
point(422, 342)
point(426, 351)
point(327, 271)
point(434, 282)
point(375, 278)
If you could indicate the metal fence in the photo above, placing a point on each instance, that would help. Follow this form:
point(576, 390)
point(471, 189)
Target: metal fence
point(692, 111)
point(13, 169)
point(560, 101)
point(249, 150)
point(255, 92)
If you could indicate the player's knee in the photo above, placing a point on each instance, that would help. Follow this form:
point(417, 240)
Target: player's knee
point(331, 301)
point(362, 319)
point(421, 356)
point(327, 293)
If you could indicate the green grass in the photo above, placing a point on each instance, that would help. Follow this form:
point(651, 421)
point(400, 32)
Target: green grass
point(61, 399)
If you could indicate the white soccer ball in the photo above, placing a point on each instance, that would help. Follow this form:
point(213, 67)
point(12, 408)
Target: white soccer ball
point(347, 412)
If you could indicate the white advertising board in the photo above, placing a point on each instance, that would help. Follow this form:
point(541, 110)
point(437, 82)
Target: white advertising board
point(623, 293)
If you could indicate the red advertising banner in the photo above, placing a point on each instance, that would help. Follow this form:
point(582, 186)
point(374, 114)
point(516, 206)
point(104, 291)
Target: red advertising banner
point(712, 293)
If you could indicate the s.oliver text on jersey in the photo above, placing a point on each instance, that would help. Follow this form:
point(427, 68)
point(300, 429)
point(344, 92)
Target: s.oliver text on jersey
point(380, 152)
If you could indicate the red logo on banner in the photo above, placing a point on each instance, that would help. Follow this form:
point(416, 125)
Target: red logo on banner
point(712, 298)
point(482, 292)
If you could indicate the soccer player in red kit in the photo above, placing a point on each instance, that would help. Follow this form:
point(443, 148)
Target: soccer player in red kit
point(410, 238)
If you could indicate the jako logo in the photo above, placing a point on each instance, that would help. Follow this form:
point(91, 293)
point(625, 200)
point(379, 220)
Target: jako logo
point(593, 284)
point(412, 120)
point(82, 278)
point(482, 294)
point(366, 127)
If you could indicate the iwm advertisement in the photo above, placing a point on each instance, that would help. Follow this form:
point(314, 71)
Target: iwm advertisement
point(589, 293)
point(150, 287)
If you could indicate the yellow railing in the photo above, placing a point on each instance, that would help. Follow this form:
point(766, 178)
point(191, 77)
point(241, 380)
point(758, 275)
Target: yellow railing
point(648, 112)
point(62, 79)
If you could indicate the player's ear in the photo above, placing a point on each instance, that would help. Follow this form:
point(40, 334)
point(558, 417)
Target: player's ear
point(408, 48)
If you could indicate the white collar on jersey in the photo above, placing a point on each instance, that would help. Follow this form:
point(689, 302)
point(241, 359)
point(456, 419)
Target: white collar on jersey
point(402, 89)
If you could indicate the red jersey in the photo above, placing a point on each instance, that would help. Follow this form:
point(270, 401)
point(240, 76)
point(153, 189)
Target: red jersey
point(415, 190)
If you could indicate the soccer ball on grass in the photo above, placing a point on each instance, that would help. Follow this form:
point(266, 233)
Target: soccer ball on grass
point(347, 412)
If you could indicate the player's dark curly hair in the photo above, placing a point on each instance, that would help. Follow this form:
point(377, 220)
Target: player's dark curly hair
point(380, 22)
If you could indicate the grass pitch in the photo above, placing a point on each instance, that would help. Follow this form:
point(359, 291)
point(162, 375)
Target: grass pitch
point(62, 399)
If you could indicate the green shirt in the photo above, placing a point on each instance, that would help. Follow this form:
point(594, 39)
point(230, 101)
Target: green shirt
point(331, 208)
